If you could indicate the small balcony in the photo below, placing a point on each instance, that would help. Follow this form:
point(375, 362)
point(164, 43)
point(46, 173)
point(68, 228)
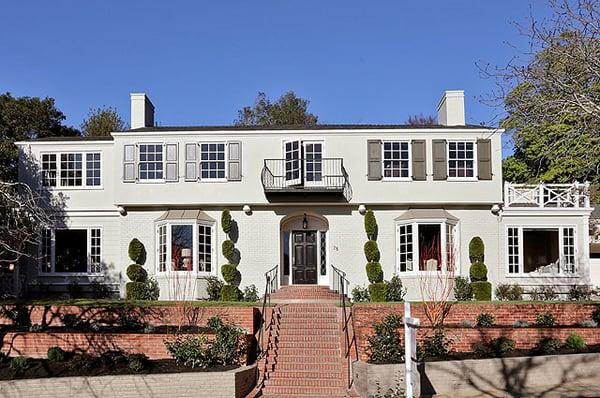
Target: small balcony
point(558, 196)
point(312, 178)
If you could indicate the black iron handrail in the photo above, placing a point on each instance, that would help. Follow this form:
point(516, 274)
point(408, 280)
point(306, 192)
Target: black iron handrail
point(341, 285)
point(271, 284)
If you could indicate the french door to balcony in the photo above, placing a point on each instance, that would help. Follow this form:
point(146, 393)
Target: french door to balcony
point(303, 163)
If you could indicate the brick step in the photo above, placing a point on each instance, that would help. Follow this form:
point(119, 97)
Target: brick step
point(308, 331)
point(301, 338)
point(304, 382)
point(301, 316)
point(325, 352)
point(300, 367)
point(305, 374)
point(281, 344)
point(305, 325)
point(301, 396)
point(307, 360)
point(309, 392)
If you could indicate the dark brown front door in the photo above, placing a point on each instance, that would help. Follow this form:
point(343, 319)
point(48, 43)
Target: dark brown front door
point(304, 268)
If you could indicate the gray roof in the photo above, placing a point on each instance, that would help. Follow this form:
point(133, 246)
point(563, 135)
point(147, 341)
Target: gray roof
point(426, 214)
point(74, 138)
point(185, 215)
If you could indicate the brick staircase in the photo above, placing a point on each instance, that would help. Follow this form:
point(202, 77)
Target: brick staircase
point(303, 351)
point(306, 293)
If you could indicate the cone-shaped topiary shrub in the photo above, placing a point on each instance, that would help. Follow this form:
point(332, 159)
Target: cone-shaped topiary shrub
point(378, 292)
point(482, 291)
point(370, 225)
point(371, 251)
point(137, 251)
point(374, 272)
point(231, 275)
point(476, 250)
point(226, 221)
point(136, 273)
point(478, 272)
point(230, 293)
point(228, 249)
point(229, 272)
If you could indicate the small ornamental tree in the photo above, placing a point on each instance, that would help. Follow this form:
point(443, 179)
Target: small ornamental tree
point(231, 275)
point(377, 288)
point(482, 289)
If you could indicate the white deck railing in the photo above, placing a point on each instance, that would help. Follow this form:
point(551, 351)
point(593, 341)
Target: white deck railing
point(574, 195)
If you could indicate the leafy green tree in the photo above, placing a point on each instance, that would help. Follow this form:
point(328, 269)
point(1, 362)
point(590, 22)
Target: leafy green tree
point(101, 122)
point(289, 110)
point(23, 118)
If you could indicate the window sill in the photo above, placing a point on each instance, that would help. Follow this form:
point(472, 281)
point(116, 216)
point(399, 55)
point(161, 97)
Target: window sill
point(82, 188)
point(542, 275)
point(399, 179)
point(462, 179)
point(62, 274)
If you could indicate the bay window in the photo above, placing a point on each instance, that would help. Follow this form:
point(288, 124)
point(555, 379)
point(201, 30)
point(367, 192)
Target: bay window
point(425, 246)
point(185, 246)
point(540, 250)
point(71, 251)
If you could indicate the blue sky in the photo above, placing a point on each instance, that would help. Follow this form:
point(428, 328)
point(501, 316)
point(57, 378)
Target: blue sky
point(356, 61)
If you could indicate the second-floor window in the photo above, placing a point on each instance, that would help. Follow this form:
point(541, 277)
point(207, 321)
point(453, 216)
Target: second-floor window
point(396, 159)
point(71, 169)
point(212, 161)
point(151, 162)
point(461, 159)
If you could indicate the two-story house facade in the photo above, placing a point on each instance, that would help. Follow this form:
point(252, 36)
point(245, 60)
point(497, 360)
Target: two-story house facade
point(298, 196)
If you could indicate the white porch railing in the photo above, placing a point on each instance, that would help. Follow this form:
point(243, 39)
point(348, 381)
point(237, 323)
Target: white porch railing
point(574, 195)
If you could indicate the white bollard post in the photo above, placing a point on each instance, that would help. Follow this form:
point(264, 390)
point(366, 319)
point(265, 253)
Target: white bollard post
point(410, 350)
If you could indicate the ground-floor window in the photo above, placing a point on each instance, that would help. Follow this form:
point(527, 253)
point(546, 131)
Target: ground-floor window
point(73, 250)
point(184, 246)
point(540, 250)
point(425, 246)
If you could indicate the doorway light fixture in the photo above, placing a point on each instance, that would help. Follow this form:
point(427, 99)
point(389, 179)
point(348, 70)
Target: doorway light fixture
point(304, 222)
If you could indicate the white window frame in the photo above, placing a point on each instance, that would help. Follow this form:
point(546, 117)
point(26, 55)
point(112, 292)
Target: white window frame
point(139, 163)
point(521, 265)
point(225, 161)
point(168, 261)
point(83, 185)
point(444, 224)
point(53, 253)
point(407, 178)
point(475, 171)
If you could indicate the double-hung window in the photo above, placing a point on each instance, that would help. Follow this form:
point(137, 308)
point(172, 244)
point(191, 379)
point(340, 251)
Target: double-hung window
point(185, 246)
point(151, 163)
point(71, 251)
point(461, 159)
point(212, 161)
point(396, 160)
point(72, 169)
point(540, 250)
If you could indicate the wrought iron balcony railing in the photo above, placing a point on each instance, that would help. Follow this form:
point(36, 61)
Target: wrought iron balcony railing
point(323, 175)
point(574, 195)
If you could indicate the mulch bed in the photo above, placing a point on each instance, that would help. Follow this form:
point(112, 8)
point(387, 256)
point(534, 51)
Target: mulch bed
point(42, 368)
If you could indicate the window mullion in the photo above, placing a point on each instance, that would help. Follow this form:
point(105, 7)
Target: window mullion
point(416, 251)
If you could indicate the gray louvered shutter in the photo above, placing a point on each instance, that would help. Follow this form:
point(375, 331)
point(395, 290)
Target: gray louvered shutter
point(234, 160)
point(484, 159)
point(171, 169)
point(191, 162)
point(419, 165)
point(374, 160)
point(440, 167)
point(129, 163)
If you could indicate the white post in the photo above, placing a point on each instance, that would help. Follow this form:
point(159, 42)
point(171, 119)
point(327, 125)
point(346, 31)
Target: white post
point(541, 195)
point(410, 350)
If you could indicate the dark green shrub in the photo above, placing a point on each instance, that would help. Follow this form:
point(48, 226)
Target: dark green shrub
point(230, 293)
point(226, 221)
point(485, 320)
point(543, 293)
point(476, 250)
point(371, 251)
point(136, 273)
point(374, 272)
point(213, 288)
point(494, 348)
point(130, 321)
point(56, 354)
point(395, 290)
point(478, 272)
point(100, 290)
point(575, 342)
point(228, 346)
point(189, 350)
point(18, 315)
point(152, 289)
point(378, 292)
point(435, 345)
point(482, 349)
point(137, 362)
point(519, 323)
point(545, 319)
point(508, 292)
point(251, 294)
point(385, 345)
point(135, 290)
point(596, 315)
point(18, 364)
point(137, 251)
point(370, 225)
point(548, 345)
point(360, 294)
point(580, 293)
point(228, 249)
point(72, 321)
point(112, 358)
point(482, 291)
point(462, 289)
point(229, 272)
point(83, 362)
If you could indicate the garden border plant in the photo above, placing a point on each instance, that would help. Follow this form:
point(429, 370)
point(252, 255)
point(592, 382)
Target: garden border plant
point(482, 289)
point(377, 287)
point(230, 272)
point(140, 287)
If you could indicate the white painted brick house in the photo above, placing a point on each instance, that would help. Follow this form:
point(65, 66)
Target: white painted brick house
point(297, 195)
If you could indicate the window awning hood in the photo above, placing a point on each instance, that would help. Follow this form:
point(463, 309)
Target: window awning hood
point(594, 248)
point(185, 215)
point(426, 214)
